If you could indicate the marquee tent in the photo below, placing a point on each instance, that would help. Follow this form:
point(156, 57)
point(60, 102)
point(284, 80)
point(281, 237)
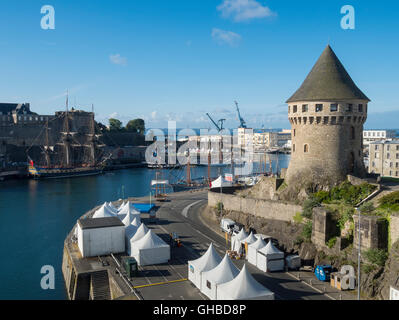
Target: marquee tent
point(253, 250)
point(150, 250)
point(103, 212)
point(270, 258)
point(111, 207)
point(236, 240)
point(224, 272)
point(249, 240)
point(127, 209)
point(243, 287)
point(131, 229)
point(140, 233)
point(205, 263)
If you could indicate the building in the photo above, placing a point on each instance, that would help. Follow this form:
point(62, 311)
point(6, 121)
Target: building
point(384, 158)
point(377, 135)
point(14, 113)
point(327, 114)
point(245, 137)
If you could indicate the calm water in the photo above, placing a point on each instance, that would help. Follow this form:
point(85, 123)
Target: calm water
point(36, 216)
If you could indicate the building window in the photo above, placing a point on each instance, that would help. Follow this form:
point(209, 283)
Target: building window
point(334, 107)
point(397, 156)
point(208, 284)
point(289, 109)
point(360, 108)
point(373, 164)
point(293, 148)
point(388, 147)
point(294, 132)
point(349, 108)
point(306, 148)
point(295, 109)
point(319, 107)
point(377, 155)
point(397, 164)
point(397, 148)
point(388, 155)
point(305, 108)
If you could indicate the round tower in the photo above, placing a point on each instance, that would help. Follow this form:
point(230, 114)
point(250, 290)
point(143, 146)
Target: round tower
point(327, 114)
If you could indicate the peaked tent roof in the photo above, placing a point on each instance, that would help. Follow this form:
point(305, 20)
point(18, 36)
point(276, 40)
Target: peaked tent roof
point(241, 235)
point(140, 233)
point(250, 239)
point(150, 240)
point(328, 80)
point(270, 249)
point(208, 261)
point(258, 244)
point(103, 212)
point(244, 286)
point(224, 272)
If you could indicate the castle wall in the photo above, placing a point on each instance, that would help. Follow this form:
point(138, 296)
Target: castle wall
point(267, 209)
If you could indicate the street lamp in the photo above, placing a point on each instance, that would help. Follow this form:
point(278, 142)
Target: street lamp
point(359, 256)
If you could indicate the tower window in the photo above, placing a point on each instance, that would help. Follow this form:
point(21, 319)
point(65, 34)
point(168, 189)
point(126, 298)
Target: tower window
point(319, 107)
point(295, 109)
point(289, 109)
point(294, 132)
point(334, 107)
point(349, 108)
point(360, 108)
point(293, 148)
point(306, 148)
point(305, 108)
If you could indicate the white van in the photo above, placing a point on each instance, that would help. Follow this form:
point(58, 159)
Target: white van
point(227, 225)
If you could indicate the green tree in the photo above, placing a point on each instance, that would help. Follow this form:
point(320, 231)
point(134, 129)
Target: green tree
point(115, 125)
point(367, 208)
point(136, 125)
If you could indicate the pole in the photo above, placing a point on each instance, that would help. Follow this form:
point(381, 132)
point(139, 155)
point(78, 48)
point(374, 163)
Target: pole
point(359, 257)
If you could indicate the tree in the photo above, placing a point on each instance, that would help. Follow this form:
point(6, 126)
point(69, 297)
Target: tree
point(115, 125)
point(136, 125)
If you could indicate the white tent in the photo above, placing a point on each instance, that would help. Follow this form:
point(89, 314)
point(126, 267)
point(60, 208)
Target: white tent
point(131, 229)
point(270, 258)
point(236, 240)
point(127, 209)
point(207, 262)
point(103, 212)
point(253, 250)
point(150, 250)
point(139, 234)
point(224, 272)
point(249, 240)
point(220, 182)
point(243, 287)
point(111, 207)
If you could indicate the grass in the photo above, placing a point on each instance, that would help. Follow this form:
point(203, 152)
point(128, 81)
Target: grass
point(390, 201)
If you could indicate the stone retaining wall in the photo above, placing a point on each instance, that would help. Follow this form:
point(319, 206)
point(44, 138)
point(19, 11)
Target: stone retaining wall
point(267, 209)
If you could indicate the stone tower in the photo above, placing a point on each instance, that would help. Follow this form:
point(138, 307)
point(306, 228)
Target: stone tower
point(327, 114)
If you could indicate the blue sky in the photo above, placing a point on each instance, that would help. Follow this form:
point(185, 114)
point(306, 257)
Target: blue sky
point(178, 59)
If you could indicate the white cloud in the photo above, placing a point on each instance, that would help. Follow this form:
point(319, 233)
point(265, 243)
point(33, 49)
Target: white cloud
point(118, 59)
point(244, 10)
point(226, 37)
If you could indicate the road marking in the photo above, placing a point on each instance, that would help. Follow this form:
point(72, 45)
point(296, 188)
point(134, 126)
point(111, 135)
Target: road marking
point(314, 288)
point(159, 283)
point(185, 210)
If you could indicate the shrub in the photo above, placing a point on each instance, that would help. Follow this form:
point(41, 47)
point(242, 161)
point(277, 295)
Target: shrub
point(390, 201)
point(367, 268)
point(367, 208)
point(219, 206)
point(307, 231)
point(331, 243)
point(298, 218)
point(308, 206)
point(376, 256)
point(345, 216)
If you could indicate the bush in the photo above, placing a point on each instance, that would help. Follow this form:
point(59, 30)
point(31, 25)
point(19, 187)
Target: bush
point(331, 243)
point(307, 231)
point(367, 208)
point(219, 206)
point(367, 268)
point(376, 256)
point(308, 206)
point(390, 201)
point(298, 218)
point(344, 217)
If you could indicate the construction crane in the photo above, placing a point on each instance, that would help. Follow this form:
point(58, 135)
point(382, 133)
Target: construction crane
point(219, 124)
point(242, 122)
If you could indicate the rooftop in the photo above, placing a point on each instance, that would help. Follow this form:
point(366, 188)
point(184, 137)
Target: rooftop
point(391, 141)
point(90, 223)
point(328, 81)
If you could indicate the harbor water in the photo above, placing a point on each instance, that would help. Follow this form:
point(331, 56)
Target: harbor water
point(36, 216)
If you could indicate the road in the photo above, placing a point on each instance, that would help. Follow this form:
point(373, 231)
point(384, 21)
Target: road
point(182, 215)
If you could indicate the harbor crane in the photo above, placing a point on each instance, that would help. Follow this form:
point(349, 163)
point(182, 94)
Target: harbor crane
point(242, 122)
point(219, 124)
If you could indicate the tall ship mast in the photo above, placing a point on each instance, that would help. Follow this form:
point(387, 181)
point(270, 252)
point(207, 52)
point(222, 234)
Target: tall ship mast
point(70, 161)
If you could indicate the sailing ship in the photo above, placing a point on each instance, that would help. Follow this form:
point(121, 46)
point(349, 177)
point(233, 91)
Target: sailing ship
point(66, 167)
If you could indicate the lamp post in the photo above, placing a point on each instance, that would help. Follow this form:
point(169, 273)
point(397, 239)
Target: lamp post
point(359, 256)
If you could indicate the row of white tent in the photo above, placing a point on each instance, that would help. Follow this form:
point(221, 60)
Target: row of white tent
point(265, 256)
point(220, 279)
point(141, 243)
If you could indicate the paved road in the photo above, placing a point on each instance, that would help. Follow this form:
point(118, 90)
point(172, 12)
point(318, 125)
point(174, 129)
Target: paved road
point(181, 215)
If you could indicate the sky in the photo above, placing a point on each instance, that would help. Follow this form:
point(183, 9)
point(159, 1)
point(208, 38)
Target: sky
point(177, 60)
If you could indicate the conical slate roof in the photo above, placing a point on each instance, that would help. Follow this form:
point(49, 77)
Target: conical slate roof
point(329, 81)
point(224, 272)
point(243, 287)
